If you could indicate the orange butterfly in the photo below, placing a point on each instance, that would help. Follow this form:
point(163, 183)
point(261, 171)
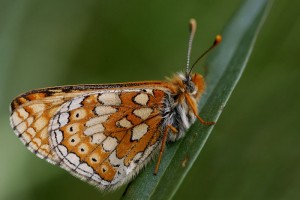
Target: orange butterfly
point(104, 134)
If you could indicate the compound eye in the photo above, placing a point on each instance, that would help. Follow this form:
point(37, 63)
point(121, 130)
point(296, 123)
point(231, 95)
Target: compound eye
point(191, 88)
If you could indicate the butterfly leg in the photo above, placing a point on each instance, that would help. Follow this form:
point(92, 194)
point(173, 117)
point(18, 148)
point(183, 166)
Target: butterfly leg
point(189, 101)
point(163, 144)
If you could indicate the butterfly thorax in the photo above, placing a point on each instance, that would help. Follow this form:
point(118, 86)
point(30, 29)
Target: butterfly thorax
point(178, 111)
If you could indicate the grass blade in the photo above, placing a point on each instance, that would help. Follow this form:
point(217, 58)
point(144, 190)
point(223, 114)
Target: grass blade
point(226, 65)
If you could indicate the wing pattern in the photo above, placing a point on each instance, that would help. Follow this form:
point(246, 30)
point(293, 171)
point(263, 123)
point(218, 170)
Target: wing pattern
point(103, 137)
point(30, 116)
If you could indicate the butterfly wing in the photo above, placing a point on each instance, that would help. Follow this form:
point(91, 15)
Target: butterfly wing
point(103, 137)
point(30, 116)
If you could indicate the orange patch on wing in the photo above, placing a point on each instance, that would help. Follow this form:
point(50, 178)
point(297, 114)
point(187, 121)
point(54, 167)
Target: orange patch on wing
point(125, 145)
point(36, 96)
point(111, 124)
point(90, 101)
point(22, 100)
point(106, 171)
point(126, 99)
point(118, 135)
point(77, 149)
point(96, 157)
point(159, 95)
point(149, 138)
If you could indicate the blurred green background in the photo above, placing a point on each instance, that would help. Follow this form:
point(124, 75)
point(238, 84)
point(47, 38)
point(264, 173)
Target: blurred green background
point(253, 152)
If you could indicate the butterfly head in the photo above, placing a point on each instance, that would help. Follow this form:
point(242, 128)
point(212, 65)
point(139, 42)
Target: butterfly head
point(194, 85)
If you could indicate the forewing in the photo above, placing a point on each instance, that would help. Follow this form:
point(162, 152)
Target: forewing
point(31, 114)
point(106, 136)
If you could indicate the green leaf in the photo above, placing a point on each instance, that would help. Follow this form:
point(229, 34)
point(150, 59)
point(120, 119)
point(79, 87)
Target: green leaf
point(225, 66)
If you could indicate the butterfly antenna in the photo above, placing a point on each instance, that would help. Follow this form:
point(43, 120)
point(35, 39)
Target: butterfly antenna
point(217, 41)
point(193, 26)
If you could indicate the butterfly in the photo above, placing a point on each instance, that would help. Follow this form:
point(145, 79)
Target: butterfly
point(105, 133)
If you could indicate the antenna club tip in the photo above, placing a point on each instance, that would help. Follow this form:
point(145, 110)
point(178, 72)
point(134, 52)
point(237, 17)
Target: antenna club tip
point(193, 24)
point(192, 21)
point(218, 40)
